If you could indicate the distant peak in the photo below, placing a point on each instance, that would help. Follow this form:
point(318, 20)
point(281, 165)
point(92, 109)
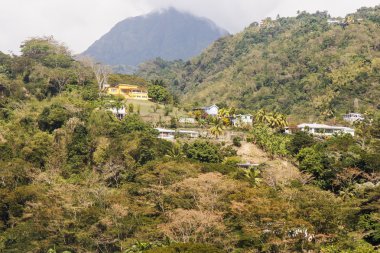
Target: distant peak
point(168, 33)
point(169, 10)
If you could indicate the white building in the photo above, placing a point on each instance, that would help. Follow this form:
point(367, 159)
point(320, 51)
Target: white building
point(187, 120)
point(334, 21)
point(242, 120)
point(191, 134)
point(169, 134)
point(118, 112)
point(166, 134)
point(325, 130)
point(212, 110)
point(352, 117)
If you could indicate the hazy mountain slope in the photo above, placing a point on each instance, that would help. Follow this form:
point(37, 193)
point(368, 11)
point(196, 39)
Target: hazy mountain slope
point(169, 34)
point(300, 65)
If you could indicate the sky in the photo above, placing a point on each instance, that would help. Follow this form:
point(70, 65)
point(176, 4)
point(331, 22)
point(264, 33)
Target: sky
point(78, 23)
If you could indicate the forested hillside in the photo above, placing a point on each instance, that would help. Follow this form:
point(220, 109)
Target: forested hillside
point(301, 65)
point(75, 178)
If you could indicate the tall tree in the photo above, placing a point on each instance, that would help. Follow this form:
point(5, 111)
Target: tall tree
point(100, 71)
point(217, 127)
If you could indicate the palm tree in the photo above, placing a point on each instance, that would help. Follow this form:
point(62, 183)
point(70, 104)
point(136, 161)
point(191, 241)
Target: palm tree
point(273, 120)
point(253, 175)
point(202, 123)
point(175, 152)
point(260, 116)
point(225, 114)
point(278, 120)
point(217, 127)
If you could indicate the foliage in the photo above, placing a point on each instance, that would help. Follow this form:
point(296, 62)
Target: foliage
point(269, 67)
point(115, 79)
point(313, 162)
point(299, 141)
point(217, 126)
point(159, 94)
point(186, 248)
point(133, 123)
point(273, 143)
point(74, 178)
point(53, 117)
point(236, 141)
point(203, 151)
point(38, 149)
point(78, 150)
point(274, 120)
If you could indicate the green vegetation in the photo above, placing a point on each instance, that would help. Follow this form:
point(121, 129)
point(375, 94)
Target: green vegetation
point(203, 151)
point(74, 178)
point(159, 94)
point(270, 141)
point(301, 66)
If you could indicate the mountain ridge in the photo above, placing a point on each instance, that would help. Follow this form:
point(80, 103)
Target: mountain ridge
point(298, 65)
point(169, 34)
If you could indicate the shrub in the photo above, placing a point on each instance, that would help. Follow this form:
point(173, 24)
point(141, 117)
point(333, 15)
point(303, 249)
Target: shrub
point(236, 141)
point(270, 141)
point(299, 141)
point(203, 151)
point(53, 117)
point(6, 152)
point(130, 108)
point(186, 248)
point(228, 151)
point(159, 94)
point(133, 123)
point(38, 149)
point(90, 94)
point(78, 150)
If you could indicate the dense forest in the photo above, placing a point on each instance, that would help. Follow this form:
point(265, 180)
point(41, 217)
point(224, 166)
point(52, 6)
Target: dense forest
point(74, 178)
point(305, 66)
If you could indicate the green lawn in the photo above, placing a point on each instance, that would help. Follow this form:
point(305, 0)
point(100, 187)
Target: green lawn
point(153, 112)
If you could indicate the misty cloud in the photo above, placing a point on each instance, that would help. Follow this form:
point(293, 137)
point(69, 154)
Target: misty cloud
point(78, 23)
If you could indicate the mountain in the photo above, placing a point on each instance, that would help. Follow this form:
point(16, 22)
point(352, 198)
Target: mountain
point(310, 66)
point(169, 34)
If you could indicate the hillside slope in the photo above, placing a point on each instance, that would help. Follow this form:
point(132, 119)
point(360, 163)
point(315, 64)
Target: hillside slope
point(74, 178)
point(169, 34)
point(300, 65)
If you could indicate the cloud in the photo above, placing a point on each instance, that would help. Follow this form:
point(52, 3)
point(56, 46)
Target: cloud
point(78, 23)
point(232, 15)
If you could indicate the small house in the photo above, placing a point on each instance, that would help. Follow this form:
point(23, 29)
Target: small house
point(333, 21)
point(352, 117)
point(187, 120)
point(212, 110)
point(166, 134)
point(128, 91)
point(242, 120)
point(325, 130)
point(190, 134)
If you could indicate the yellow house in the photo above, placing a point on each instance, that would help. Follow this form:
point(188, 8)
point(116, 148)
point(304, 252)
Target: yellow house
point(129, 91)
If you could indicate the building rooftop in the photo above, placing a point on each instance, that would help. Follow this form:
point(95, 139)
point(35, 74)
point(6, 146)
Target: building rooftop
point(248, 165)
point(205, 107)
point(315, 125)
point(188, 132)
point(163, 130)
